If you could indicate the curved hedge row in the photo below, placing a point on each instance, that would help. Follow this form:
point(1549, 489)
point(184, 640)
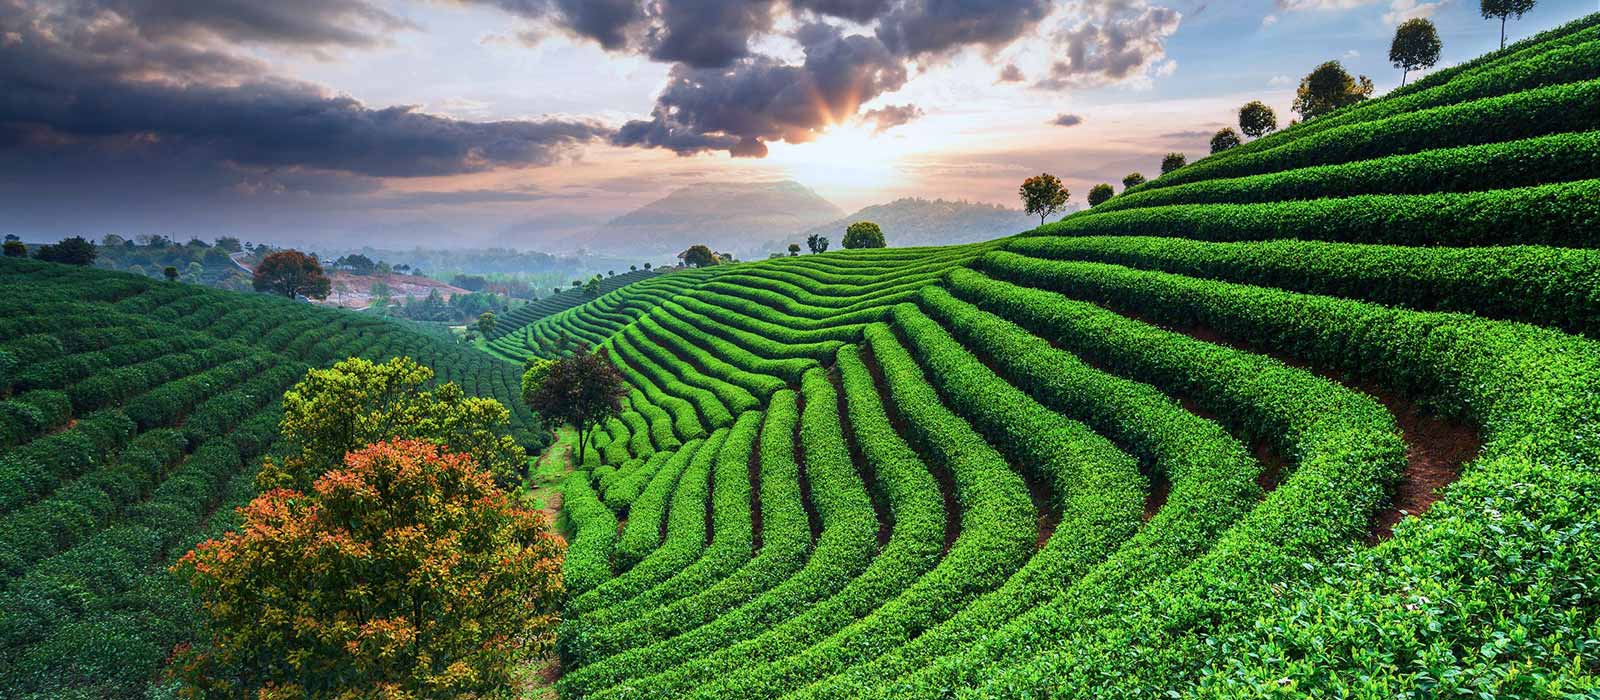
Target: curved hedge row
point(594, 529)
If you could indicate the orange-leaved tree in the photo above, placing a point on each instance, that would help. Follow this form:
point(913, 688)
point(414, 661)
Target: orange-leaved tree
point(407, 573)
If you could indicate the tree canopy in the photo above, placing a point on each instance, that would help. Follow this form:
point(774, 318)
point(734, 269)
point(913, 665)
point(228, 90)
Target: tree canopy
point(1132, 180)
point(1173, 161)
point(863, 234)
point(699, 256)
point(817, 243)
point(1504, 9)
point(76, 250)
point(581, 390)
point(1043, 194)
point(1416, 46)
point(1256, 119)
point(1100, 193)
point(1327, 88)
point(290, 273)
point(1224, 139)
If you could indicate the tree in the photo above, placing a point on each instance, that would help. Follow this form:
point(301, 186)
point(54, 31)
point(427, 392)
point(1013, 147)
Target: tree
point(379, 291)
point(1099, 194)
point(1044, 195)
point(794, 249)
point(291, 273)
point(1224, 139)
point(15, 249)
point(611, 273)
point(1173, 161)
point(170, 272)
point(76, 250)
point(403, 573)
point(863, 234)
point(471, 283)
point(647, 266)
point(486, 323)
point(1256, 119)
point(699, 256)
point(582, 390)
point(816, 243)
point(228, 244)
point(1503, 9)
point(591, 288)
point(633, 268)
point(358, 402)
point(1328, 88)
point(1132, 180)
point(1416, 46)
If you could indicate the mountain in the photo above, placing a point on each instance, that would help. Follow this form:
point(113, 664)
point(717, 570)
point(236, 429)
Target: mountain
point(918, 222)
point(725, 216)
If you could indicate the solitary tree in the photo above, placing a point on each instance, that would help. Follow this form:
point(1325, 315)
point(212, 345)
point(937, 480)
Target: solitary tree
point(647, 266)
point(582, 390)
point(794, 249)
point(1328, 88)
point(1224, 139)
point(405, 572)
point(863, 234)
point(1132, 180)
point(1099, 194)
point(1256, 119)
point(1504, 9)
point(486, 323)
point(289, 273)
point(591, 288)
point(1416, 46)
point(633, 268)
point(170, 272)
point(816, 243)
point(1173, 161)
point(15, 248)
point(698, 256)
point(1044, 195)
point(76, 250)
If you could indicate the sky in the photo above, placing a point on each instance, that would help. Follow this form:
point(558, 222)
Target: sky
point(451, 123)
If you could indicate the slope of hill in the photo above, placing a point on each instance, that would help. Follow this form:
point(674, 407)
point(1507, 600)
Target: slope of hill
point(724, 216)
point(531, 312)
point(1311, 417)
point(132, 414)
point(921, 222)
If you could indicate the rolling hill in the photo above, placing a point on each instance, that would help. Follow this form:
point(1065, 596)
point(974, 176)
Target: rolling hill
point(922, 222)
point(721, 215)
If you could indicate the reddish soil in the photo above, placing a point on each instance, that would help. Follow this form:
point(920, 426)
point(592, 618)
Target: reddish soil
point(1160, 488)
point(755, 495)
point(353, 291)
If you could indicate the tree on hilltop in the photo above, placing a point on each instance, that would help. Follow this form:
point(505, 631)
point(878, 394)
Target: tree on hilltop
point(794, 249)
point(1256, 119)
point(863, 234)
point(290, 273)
point(699, 256)
point(76, 250)
point(1132, 180)
point(1100, 194)
point(486, 323)
point(1224, 139)
point(1043, 194)
point(1173, 161)
point(816, 243)
point(1503, 9)
point(1327, 88)
point(1416, 46)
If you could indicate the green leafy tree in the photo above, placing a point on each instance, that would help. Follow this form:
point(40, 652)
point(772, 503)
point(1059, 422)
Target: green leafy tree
point(1224, 139)
point(1256, 119)
point(358, 402)
point(76, 250)
point(486, 323)
point(1416, 46)
point(1099, 194)
point(1328, 88)
point(170, 272)
point(699, 256)
point(1044, 195)
point(591, 288)
point(15, 249)
point(794, 249)
point(1173, 161)
point(405, 572)
point(379, 291)
point(1504, 9)
point(863, 234)
point(647, 266)
point(1132, 180)
point(290, 273)
point(816, 243)
point(581, 390)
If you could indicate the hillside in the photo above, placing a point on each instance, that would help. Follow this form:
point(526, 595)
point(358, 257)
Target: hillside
point(1310, 417)
point(921, 222)
point(132, 416)
point(722, 215)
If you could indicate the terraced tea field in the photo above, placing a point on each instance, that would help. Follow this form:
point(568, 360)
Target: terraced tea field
point(1313, 416)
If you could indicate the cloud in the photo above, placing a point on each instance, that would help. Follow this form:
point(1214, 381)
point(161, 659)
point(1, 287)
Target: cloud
point(860, 11)
point(292, 22)
point(1309, 5)
point(1110, 41)
point(886, 118)
point(1268, 21)
point(1067, 120)
point(1011, 74)
point(1403, 10)
point(761, 99)
point(934, 27)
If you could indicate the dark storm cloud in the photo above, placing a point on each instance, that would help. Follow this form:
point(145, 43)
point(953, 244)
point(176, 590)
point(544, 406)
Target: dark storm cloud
point(760, 99)
point(862, 11)
point(891, 116)
point(931, 27)
point(302, 22)
point(607, 22)
point(1067, 120)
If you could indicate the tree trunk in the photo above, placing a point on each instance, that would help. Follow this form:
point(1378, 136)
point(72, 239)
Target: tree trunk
point(1403, 75)
point(1502, 33)
point(581, 445)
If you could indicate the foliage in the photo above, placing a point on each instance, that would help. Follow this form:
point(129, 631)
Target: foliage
point(1327, 88)
point(291, 273)
point(70, 251)
point(403, 573)
point(358, 402)
point(1504, 9)
point(863, 234)
point(1043, 195)
point(16, 249)
point(699, 256)
point(1132, 180)
point(1256, 119)
point(1224, 139)
point(1100, 194)
point(1173, 161)
point(591, 288)
point(486, 323)
point(817, 243)
point(582, 390)
point(794, 249)
point(1416, 46)
point(170, 272)
point(356, 263)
